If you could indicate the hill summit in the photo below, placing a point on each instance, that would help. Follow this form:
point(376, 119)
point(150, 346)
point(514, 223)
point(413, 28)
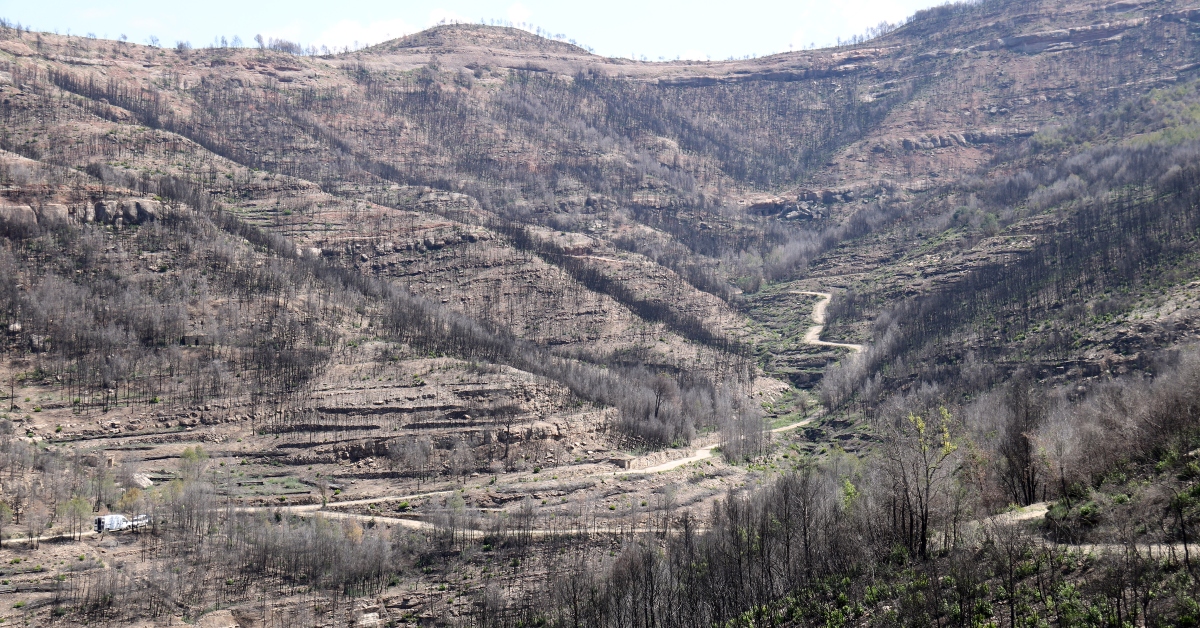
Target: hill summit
point(478, 37)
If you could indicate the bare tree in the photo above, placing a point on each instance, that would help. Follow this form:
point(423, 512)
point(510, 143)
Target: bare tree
point(462, 459)
point(36, 515)
point(193, 462)
point(75, 511)
point(743, 434)
point(416, 457)
point(665, 390)
point(323, 488)
point(6, 515)
point(1021, 468)
point(918, 457)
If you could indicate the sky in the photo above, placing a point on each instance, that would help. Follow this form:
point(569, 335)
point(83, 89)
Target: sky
point(653, 29)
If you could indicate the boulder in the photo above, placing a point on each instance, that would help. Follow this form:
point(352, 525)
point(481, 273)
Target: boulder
point(18, 215)
point(84, 213)
point(39, 343)
point(147, 210)
point(540, 430)
point(129, 212)
point(54, 215)
point(105, 212)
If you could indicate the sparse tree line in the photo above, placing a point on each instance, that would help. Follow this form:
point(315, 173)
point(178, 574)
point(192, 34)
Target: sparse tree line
point(595, 279)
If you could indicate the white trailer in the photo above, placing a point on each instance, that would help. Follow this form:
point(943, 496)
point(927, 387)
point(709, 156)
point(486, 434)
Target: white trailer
point(117, 523)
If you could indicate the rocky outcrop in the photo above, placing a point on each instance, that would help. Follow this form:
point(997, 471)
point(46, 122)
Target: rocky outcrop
point(54, 215)
point(934, 141)
point(106, 211)
point(17, 216)
point(16, 48)
point(773, 206)
point(148, 211)
point(1125, 5)
point(1045, 41)
point(85, 213)
point(780, 76)
point(1183, 15)
point(949, 140)
point(130, 211)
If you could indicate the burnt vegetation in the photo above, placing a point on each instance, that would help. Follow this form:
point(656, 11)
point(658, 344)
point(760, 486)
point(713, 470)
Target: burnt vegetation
point(475, 328)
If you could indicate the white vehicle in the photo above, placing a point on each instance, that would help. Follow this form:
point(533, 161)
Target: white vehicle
point(116, 523)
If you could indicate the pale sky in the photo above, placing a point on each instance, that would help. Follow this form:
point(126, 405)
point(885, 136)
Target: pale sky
point(696, 29)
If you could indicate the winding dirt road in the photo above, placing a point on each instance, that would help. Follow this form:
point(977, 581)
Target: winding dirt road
point(702, 453)
point(813, 337)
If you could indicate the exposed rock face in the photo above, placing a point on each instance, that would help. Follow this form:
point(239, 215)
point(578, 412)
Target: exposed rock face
point(54, 215)
point(101, 212)
point(17, 215)
point(147, 210)
point(130, 211)
point(1062, 39)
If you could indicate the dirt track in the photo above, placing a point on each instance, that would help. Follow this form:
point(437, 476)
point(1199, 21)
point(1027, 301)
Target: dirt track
point(813, 337)
point(702, 453)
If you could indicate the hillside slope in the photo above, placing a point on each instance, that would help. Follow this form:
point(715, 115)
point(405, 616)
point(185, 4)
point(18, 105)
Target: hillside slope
point(470, 281)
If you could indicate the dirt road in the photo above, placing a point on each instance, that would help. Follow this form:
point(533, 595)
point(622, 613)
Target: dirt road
point(813, 337)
